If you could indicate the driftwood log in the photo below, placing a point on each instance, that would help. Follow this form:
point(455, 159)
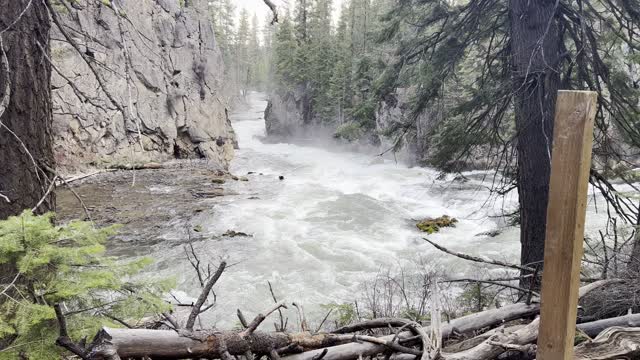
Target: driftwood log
point(613, 343)
point(171, 344)
point(465, 324)
point(594, 328)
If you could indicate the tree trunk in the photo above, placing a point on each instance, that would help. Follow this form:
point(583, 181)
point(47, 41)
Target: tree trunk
point(534, 42)
point(26, 130)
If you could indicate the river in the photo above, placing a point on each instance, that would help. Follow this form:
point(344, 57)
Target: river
point(334, 221)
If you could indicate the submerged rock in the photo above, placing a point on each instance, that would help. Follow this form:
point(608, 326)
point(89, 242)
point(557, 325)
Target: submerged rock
point(490, 233)
point(431, 226)
point(233, 233)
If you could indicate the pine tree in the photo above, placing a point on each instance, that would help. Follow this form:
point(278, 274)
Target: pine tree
point(243, 71)
point(66, 266)
point(285, 49)
point(222, 15)
point(340, 86)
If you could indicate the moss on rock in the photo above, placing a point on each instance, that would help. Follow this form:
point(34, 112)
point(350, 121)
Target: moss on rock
point(431, 226)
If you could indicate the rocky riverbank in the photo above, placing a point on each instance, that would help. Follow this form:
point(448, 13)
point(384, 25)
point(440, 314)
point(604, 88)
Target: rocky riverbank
point(164, 205)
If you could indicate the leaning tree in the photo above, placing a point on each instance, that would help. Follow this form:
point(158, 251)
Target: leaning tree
point(492, 69)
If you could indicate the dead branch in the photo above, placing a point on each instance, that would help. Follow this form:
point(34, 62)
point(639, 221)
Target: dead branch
point(44, 197)
point(303, 321)
point(171, 319)
point(283, 323)
point(63, 338)
point(243, 320)
point(196, 310)
point(260, 318)
point(323, 321)
point(489, 282)
point(479, 259)
point(75, 194)
point(274, 10)
point(84, 176)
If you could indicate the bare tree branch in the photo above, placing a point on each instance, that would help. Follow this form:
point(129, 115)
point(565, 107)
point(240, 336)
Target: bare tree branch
point(195, 311)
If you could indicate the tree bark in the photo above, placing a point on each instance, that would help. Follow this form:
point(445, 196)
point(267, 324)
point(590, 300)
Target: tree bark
point(26, 124)
point(534, 46)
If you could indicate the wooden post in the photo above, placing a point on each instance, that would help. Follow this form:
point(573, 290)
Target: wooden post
point(570, 164)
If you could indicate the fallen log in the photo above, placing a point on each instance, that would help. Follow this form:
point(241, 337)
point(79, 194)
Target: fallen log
point(465, 324)
point(474, 322)
point(139, 343)
point(592, 329)
point(613, 343)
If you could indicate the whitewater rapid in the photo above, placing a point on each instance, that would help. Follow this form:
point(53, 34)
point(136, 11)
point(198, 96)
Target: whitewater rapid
point(335, 220)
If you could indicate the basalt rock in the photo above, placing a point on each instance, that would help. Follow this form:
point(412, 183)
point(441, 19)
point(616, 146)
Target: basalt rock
point(160, 61)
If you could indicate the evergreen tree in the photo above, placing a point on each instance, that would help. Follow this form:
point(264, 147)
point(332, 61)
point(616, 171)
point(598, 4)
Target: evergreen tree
point(65, 267)
point(340, 86)
point(285, 49)
point(222, 15)
point(495, 67)
point(255, 59)
point(243, 71)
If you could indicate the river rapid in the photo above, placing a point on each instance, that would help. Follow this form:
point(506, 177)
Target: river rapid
point(335, 220)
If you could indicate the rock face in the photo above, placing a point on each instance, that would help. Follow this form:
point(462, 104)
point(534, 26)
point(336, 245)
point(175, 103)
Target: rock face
point(392, 112)
point(161, 65)
point(287, 114)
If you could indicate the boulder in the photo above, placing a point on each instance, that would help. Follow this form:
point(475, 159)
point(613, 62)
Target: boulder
point(431, 226)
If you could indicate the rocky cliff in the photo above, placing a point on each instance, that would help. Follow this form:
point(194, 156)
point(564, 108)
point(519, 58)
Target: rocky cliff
point(287, 117)
point(162, 83)
point(393, 113)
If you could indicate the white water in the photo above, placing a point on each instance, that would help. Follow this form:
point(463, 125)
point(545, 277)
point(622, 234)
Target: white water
point(332, 223)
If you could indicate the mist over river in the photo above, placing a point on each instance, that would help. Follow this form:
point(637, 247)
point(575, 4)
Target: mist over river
point(334, 221)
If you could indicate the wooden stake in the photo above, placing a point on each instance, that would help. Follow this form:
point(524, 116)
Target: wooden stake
point(570, 164)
